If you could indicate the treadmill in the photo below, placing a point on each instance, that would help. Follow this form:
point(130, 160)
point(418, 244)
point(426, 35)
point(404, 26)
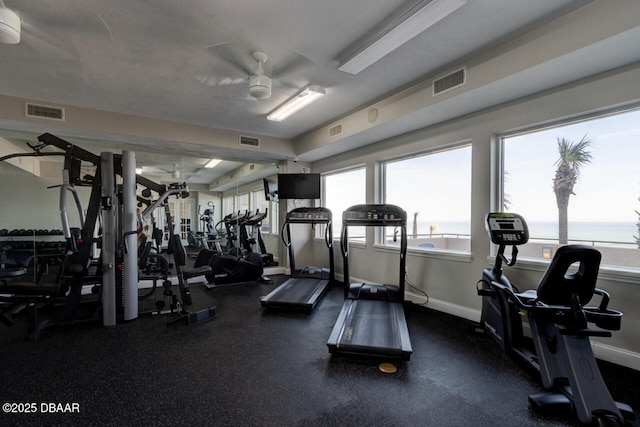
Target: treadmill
point(305, 287)
point(371, 321)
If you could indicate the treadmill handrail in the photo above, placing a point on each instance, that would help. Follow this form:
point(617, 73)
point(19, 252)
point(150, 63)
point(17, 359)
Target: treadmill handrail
point(399, 221)
point(328, 235)
point(285, 235)
point(286, 239)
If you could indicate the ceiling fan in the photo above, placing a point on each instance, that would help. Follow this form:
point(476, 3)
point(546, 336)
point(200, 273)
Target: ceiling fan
point(20, 27)
point(232, 60)
point(175, 172)
point(259, 83)
point(10, 25)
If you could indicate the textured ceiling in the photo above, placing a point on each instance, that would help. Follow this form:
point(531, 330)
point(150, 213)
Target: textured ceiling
point(188, 61)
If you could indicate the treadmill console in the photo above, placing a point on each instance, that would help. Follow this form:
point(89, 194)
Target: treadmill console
point(254, 218)
point(374, 215)
point(507, 228)
point(309, 215)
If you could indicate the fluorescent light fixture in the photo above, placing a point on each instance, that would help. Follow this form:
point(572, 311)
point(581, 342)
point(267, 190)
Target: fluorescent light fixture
point(396, 31)
point(138, 171)
point(212, 163)
point(297, 103)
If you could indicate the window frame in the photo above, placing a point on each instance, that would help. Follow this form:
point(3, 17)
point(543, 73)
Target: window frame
point(319, 235)
point(445, 254)
point(618, 273)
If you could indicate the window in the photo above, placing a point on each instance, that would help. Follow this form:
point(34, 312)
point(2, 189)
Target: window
point(260, 202)
point(340, 191)
point(227, 206)
point(435, 191)
point(242, 202)
point(603, 206)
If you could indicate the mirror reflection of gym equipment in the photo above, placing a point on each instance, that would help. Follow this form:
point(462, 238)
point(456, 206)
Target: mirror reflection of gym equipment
point(110, 225)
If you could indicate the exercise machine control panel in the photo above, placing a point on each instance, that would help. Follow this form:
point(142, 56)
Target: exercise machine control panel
point(507, 228)
point(375, 215)
point(253, 218)
point(309, 215)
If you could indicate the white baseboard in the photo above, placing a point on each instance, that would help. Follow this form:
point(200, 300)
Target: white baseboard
point(445, 307)
point(605, 352)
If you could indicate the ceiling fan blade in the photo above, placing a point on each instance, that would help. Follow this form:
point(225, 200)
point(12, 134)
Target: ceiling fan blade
point(294, 65)
point(44, 43)
point(209, 80)
point(232, 57)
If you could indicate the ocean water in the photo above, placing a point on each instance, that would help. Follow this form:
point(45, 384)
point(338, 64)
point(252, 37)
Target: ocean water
point(619, 232)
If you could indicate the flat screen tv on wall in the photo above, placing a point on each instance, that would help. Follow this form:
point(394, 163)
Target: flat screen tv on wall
point(270, 190)
point(298, 186)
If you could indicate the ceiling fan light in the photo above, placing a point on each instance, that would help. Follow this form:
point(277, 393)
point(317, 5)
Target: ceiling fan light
point(9, 26)
point(259, 86)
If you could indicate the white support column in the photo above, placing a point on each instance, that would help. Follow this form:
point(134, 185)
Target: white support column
point(109, 203)
point(129, 223)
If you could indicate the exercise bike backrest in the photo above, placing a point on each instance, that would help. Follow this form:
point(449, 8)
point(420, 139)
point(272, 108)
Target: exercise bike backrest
point(506, 229)
point(559, 287)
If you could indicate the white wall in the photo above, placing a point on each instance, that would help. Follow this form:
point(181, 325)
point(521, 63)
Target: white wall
point(450, 283)
point(27, 203)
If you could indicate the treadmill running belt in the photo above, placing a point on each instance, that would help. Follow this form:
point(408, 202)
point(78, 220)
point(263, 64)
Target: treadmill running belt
point(301, 292)
point(371, 327)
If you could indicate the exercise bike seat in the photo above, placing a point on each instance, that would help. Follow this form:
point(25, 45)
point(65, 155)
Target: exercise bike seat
point(564, 294)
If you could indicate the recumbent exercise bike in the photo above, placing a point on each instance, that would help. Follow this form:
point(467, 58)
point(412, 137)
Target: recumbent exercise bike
point(558, 319)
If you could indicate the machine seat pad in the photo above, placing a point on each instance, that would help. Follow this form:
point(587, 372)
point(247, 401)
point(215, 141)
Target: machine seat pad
point(31, 289)
point(528, 296)
point(559, 286)
point(197, 271)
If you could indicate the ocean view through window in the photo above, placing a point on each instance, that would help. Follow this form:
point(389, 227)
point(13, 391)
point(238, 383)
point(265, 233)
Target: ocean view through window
point(596, 160)
point(435, 190)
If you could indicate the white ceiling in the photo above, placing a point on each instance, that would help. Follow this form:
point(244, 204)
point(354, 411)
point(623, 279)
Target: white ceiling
point(187, 62)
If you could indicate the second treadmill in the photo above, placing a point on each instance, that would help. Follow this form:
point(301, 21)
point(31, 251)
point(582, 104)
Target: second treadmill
point(305, 287)
point(372, 321)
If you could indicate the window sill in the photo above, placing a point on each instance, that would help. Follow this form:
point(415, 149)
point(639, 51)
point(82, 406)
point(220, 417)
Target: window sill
point(607, 272)
point(449, 255)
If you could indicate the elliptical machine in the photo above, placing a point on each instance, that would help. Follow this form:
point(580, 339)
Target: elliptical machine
point(253, 241)
point(558, 319)
point(236, 265)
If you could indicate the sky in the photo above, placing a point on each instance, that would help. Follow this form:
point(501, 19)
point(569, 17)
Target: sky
point(438, 185)
point(608, 187)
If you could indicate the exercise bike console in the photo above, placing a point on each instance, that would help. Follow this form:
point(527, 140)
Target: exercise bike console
point(507, 229)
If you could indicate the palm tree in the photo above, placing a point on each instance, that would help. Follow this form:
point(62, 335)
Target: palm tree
point(573, 155)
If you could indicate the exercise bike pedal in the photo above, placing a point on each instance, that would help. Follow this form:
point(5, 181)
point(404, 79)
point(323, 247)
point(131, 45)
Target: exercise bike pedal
point(550, 403)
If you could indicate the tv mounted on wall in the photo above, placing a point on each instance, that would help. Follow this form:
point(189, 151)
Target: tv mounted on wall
point(298, 186)
point(270, 190)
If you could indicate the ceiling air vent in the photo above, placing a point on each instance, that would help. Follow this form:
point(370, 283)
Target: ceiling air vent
point(249, 141)
point(335, 130)
point(44, 112)
point(448, 82)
